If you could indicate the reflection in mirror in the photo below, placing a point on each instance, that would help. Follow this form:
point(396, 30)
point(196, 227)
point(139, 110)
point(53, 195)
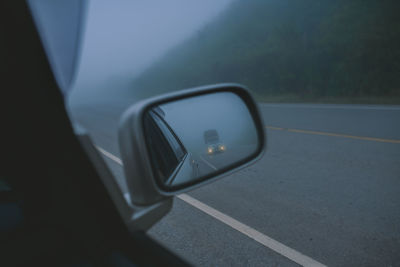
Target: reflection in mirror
point(195, 137)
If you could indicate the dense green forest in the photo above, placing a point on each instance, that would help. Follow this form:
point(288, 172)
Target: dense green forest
point(301, 48)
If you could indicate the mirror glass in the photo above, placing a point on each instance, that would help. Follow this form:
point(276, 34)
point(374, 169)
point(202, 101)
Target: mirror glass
point(196, 137)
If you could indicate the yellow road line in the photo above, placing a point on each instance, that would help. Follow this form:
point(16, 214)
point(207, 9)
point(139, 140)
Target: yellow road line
point(393, 141)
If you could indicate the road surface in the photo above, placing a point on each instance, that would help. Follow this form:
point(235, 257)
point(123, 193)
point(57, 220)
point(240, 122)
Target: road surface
point(328, 188)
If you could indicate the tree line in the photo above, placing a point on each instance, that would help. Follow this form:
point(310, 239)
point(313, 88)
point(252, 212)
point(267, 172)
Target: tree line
point(299, 47)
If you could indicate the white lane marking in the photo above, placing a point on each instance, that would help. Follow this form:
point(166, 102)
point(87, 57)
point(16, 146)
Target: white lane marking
point(208, 163)
point(330, 106)
point(109, 155)
point(266, 241)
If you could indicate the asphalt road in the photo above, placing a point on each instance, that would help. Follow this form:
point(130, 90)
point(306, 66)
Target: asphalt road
point(327, 187)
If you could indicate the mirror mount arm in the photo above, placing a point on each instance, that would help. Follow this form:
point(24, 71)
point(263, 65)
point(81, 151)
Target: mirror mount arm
point(137, 218)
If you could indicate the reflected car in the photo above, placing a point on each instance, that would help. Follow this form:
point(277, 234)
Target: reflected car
point(213, 142)
point(216, 148)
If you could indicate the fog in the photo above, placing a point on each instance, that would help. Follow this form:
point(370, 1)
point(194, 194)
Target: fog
point(122, 39)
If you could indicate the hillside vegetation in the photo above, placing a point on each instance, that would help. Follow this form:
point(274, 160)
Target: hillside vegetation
point(304, 49)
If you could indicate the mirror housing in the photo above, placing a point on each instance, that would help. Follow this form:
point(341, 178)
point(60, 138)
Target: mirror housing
point(143, 184)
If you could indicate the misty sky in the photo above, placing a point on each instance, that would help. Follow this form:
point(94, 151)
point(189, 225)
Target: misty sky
point(123, 38)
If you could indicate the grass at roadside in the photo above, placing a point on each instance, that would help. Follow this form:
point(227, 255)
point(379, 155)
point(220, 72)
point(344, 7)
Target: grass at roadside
point(395, 100)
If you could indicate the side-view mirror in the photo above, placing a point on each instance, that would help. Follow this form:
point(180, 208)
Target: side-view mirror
point(176, 142)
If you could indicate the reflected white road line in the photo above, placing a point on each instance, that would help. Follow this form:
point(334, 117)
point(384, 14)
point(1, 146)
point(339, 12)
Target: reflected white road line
point(259, 237)
point(208, 163)
point(109, 155)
